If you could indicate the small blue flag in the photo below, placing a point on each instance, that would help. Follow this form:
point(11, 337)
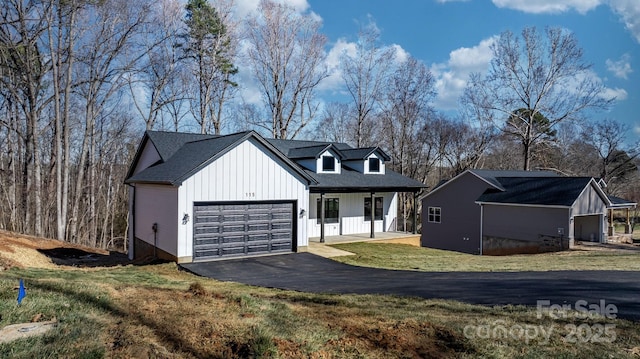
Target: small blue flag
point(21, 292)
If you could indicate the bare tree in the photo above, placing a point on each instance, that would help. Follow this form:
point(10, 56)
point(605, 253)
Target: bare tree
point(616, 157)
point(151, 84)
point(61, 32)
point(23, 69)
point(286, 54)
point(364, 74)
point(536, 75)
point(335, 123)
point(107, 56)
point(406, 108)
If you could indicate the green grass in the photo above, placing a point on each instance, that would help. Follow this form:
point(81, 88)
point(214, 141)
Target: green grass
point(402, 256)
point(160, 312)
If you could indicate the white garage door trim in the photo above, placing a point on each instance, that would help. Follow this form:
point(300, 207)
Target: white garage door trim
point(240, 229)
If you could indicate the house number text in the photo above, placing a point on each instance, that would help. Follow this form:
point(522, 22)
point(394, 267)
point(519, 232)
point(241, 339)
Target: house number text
point(250, 194)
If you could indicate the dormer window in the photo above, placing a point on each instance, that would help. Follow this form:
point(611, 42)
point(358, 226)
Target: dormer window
point(328, 164)
point(374, 164)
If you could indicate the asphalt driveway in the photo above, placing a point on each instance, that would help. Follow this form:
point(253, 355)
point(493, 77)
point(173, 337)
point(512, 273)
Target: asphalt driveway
point(310, 273)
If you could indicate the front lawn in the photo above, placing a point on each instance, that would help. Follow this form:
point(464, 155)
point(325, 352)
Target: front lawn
point(160, 312)
point(402, 256)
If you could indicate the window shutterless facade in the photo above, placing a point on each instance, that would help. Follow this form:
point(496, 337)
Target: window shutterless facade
point(378, 208)
point(331, 210)
point(434, 214)
point(328, 164)
point(374, 164)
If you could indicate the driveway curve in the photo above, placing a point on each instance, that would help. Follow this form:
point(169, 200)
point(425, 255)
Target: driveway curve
point(310, 273)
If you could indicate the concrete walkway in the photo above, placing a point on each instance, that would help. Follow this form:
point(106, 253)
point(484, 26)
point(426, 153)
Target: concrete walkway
point(327, 251)
point(323, 250)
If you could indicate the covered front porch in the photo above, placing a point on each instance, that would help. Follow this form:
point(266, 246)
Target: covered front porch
point(393, 237)
point(324, 249)
point(357, 213)
point(619, 205)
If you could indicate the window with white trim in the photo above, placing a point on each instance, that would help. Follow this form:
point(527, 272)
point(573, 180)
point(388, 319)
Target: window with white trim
point(434, 214)
point(374, 164)
point(328, 164)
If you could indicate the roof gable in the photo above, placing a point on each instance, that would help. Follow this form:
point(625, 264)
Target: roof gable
point(192, 156)
point(168, 143)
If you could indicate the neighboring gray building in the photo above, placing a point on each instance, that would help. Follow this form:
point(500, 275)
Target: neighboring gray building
point(508, 212)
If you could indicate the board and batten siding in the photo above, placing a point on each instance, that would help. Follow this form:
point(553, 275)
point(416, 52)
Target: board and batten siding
point(589, 202)
point(351, 214)
point(248, 172)
point(157, 204)
point(588, 205)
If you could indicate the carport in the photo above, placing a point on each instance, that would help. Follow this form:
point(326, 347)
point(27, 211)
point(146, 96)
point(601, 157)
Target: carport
point(588, 228)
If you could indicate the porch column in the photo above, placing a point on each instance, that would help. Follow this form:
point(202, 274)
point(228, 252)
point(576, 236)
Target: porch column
point(627, 226)
point(415, 213)
point(373, 215)
point(611, 230)
point(321, 217)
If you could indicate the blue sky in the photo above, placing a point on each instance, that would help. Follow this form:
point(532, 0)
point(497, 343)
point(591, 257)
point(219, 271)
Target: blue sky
point(452, 37)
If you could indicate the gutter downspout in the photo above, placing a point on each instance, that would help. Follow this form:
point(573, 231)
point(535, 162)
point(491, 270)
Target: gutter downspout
point(132, 213)
point(481, 224)
point(321, 217)
point(415, 213)
point(372, 213)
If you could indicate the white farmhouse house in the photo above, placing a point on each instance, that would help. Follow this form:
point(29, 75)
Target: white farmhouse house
point(200, 197)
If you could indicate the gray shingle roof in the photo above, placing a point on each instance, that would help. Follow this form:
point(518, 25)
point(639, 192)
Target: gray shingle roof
point(168, 143)
point(185, 160)
point(621, 202)
point(350, 180)
point(285, 145)
point(491, 175)
point(311, 152)
point(548, 191)
point(363, 153)
point(183, 154)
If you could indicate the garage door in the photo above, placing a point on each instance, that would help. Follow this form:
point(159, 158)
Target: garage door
point(242, 229)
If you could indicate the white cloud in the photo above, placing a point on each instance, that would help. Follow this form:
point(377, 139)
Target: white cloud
point(617, 93)
point(340, 48)
point(621, 68)
point(452, 76)
point(401, 55)
point(245, 7)
point(629, 11)
point(636, 129)
point(548, 6)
